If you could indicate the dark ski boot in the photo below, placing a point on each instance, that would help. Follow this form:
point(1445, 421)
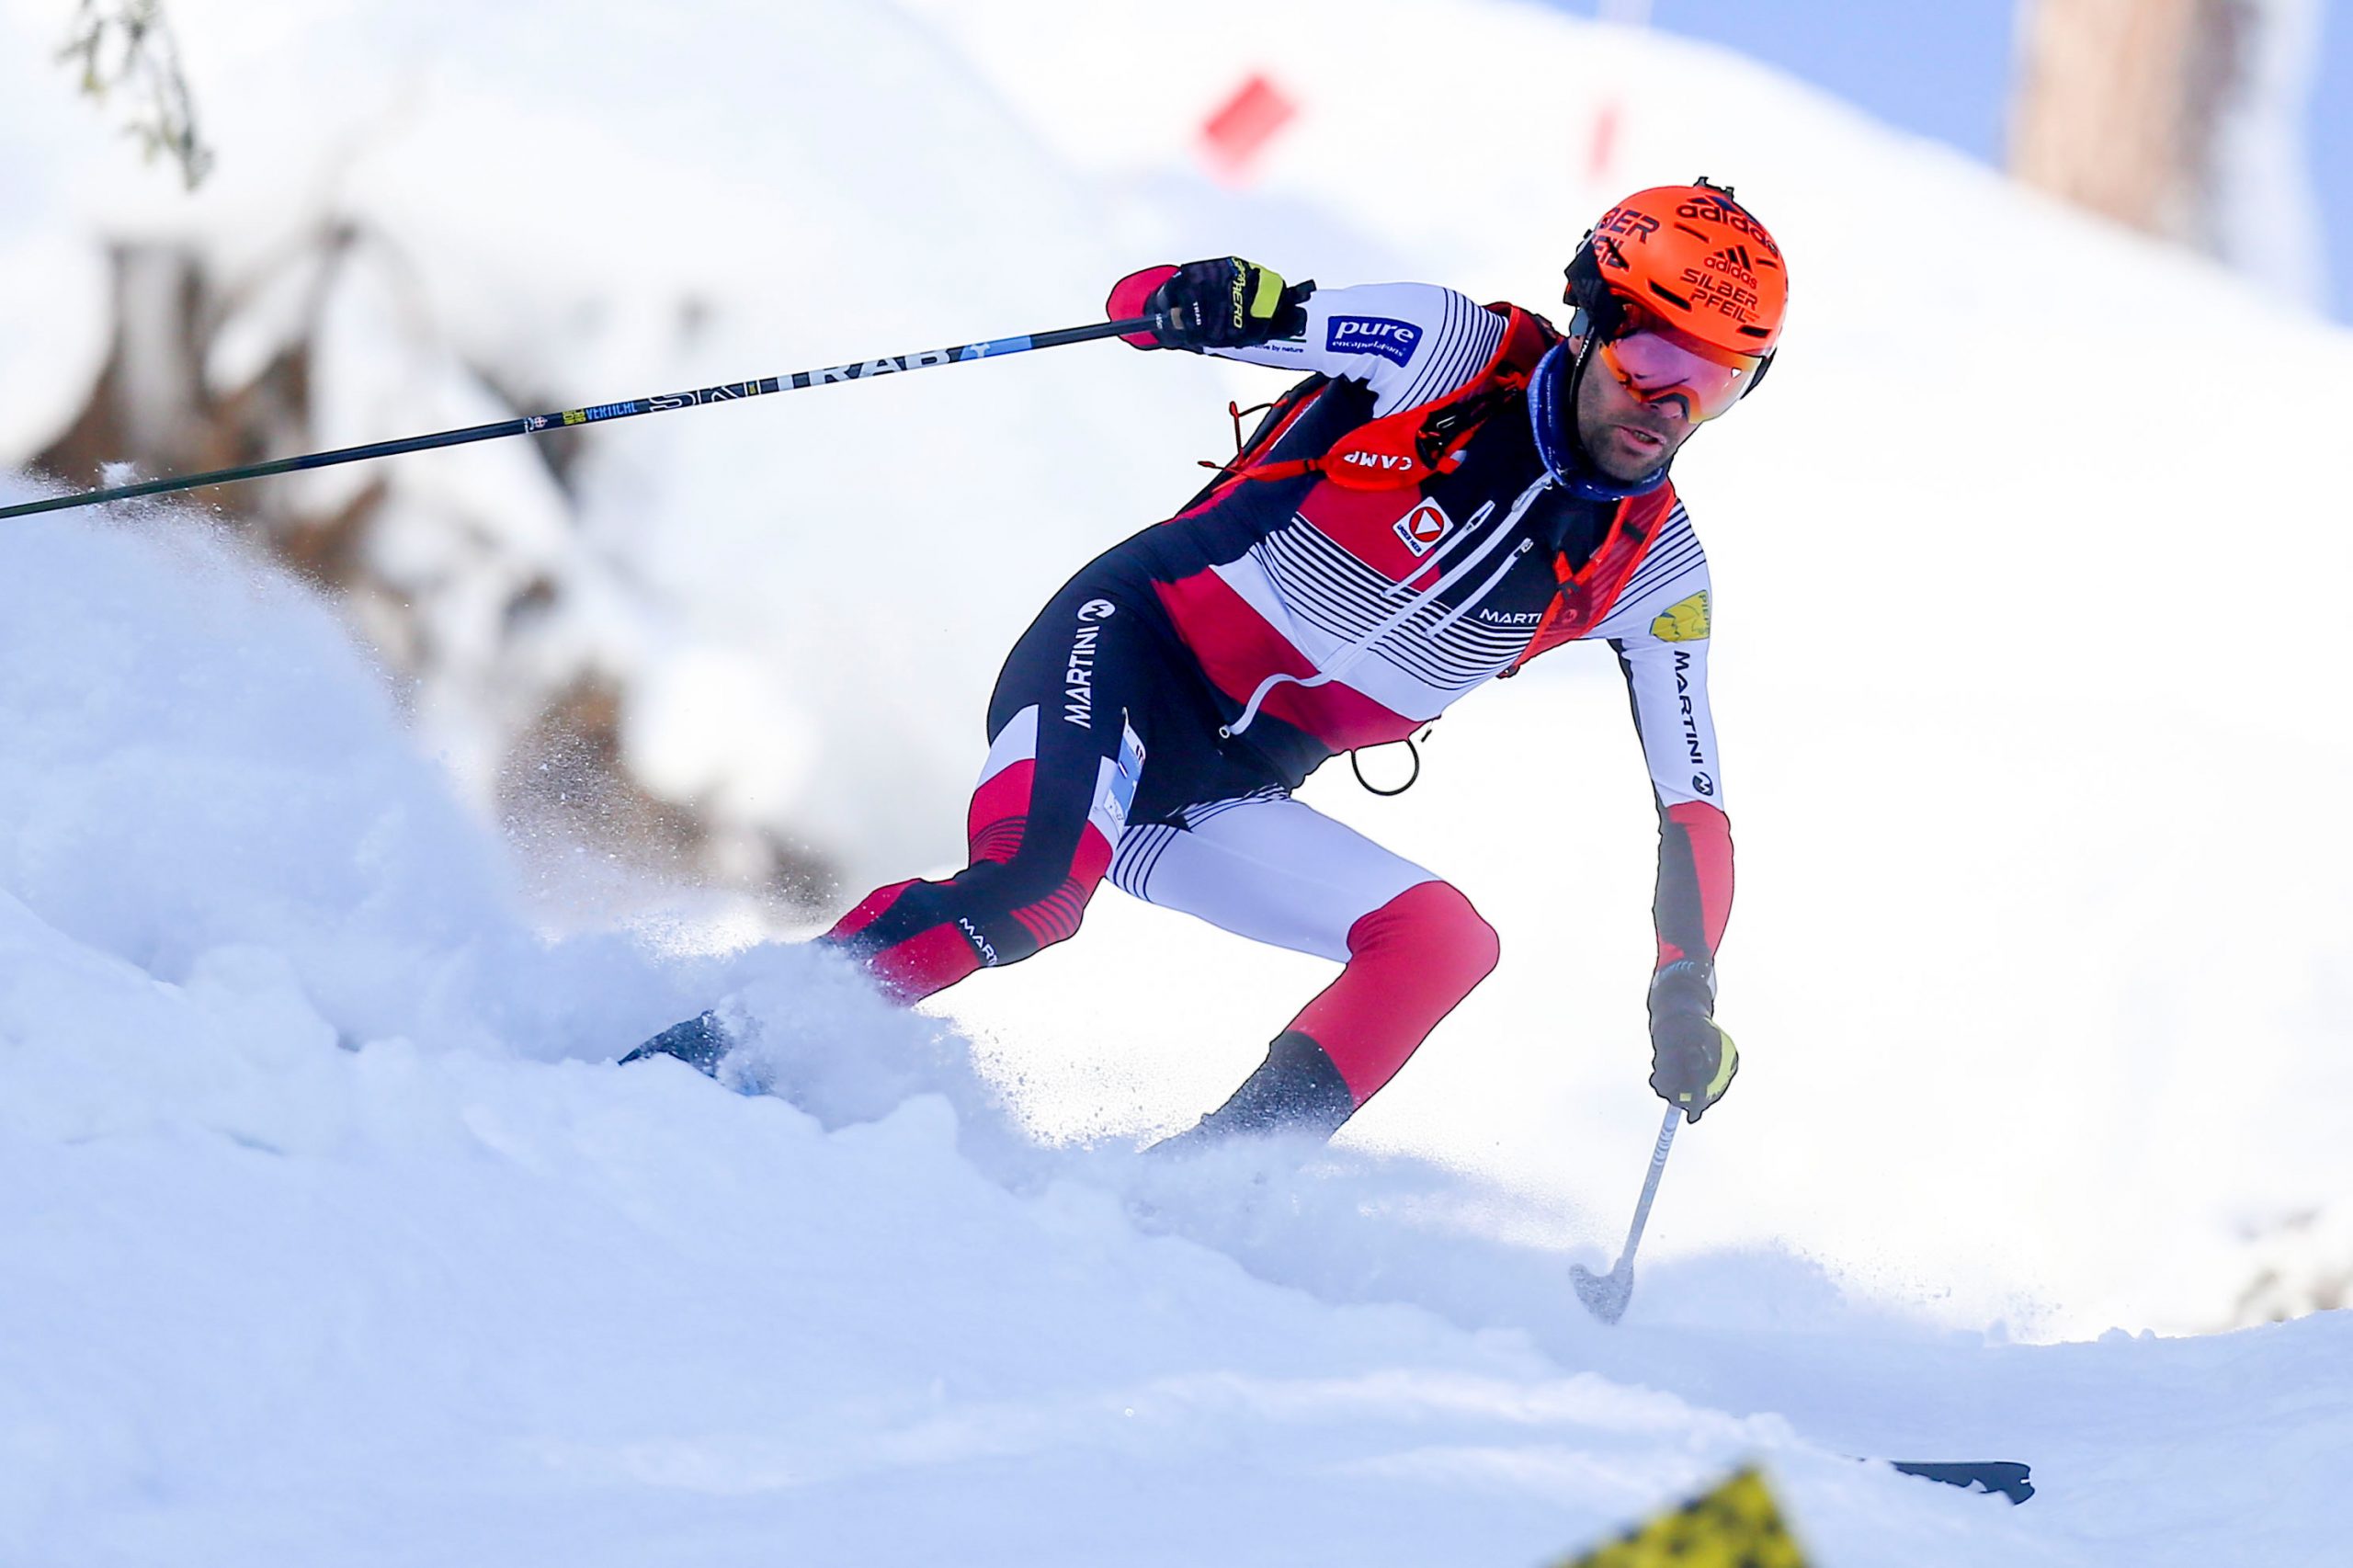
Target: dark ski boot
point(698, 1042)
point(1295, 1090)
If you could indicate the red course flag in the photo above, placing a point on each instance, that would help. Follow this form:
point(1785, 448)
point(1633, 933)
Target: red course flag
point(1232, 137)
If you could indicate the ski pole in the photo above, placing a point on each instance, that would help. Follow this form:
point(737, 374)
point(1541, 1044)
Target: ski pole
point(1605, 1295)
point(531, 425)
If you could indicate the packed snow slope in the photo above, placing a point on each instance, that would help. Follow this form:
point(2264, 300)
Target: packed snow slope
point(334, 1236)
point(323, 1245)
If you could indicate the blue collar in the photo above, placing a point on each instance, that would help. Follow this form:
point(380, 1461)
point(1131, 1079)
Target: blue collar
point(1549, 398)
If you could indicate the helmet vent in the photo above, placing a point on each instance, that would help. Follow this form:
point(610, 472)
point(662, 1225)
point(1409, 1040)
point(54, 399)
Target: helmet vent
point(1677, 301)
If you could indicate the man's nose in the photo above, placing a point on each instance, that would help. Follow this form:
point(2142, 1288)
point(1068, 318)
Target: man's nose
point(1672, 401)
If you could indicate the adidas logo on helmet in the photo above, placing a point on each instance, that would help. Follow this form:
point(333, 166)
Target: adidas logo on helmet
point(1691, 257)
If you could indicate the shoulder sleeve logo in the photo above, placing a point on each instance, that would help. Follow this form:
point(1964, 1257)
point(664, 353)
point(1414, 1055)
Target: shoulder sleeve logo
point(1686, 620)
point(1392, 340)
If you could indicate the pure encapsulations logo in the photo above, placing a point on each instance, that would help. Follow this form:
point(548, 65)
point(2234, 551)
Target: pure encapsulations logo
point(1393, 340)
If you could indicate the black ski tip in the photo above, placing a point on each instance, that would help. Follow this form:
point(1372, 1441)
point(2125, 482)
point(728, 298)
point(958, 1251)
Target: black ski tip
point(2008, 1477)
point(698, 1042)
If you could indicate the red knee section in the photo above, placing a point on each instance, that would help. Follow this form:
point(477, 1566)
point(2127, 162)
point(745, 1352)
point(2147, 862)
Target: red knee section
point(1055, 917)
point(870, 909)
point(1410, 962)
point(935, 958)
point(1000, 810)
point(909, 971)
point(929, 961)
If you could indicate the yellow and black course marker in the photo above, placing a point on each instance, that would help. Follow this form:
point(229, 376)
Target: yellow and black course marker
point(1736, 1526)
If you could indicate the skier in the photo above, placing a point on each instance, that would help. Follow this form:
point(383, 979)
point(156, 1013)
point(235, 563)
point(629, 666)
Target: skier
point(1451, 491)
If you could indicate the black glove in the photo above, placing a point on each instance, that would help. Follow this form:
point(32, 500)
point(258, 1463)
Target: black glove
point(1692, 1060)
point(1228, 304)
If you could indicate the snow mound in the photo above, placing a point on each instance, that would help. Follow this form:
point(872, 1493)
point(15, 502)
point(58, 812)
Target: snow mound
point(327, 1244)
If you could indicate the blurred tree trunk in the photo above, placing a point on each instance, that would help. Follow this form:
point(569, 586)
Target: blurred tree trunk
point(2182, 119)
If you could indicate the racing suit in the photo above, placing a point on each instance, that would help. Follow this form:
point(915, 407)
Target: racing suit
point(1152, 724)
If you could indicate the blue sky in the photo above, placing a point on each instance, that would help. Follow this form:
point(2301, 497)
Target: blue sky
point(1944, 70)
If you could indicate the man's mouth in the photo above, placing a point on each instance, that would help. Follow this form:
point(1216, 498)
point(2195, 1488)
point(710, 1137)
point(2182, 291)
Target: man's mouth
point(1645, 440)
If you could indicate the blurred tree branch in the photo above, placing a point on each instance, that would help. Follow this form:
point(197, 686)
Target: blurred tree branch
point(127, 44)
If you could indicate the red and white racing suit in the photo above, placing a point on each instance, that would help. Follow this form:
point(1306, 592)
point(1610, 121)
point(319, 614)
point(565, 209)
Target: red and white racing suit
point(1153, 722)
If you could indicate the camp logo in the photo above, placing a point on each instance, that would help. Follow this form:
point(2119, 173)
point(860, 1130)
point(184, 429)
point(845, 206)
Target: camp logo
point(1686, 620)
point(1421, 528)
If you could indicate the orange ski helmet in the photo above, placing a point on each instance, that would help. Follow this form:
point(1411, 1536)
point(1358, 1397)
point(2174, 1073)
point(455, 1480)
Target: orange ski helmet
point(1687, 258)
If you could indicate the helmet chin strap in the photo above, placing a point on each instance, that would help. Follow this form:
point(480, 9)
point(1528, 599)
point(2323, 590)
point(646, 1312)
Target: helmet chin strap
point(1552, 409)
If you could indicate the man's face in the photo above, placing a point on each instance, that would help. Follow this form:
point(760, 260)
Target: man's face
point(1626, 438)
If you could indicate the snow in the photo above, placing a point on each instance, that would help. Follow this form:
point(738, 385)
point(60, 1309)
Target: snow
point(335, 1237)
point(327, 1246)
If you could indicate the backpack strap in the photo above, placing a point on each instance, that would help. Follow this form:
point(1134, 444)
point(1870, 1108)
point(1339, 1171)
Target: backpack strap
point(1585, 598)
point(1412, 445)
point(1281, 414)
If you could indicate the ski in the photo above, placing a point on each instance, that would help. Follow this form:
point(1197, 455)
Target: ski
point(2011, 1479)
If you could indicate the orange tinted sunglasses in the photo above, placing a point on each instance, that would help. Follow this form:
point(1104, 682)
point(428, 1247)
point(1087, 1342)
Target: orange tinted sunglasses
point(1655, 362)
